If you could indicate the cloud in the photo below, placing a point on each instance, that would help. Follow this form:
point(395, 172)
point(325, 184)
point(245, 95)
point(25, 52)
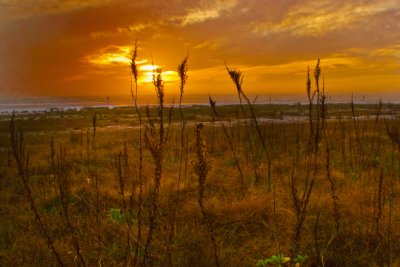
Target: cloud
point(16, 9)
point(269, 40)
point(206, 12)
point(298, 68)
point(131, 29)
point(317, 18)
point(208, 44)
point(385, 52)
point(109, 56)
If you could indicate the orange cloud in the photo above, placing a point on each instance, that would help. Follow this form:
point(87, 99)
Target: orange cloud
point(86, 46)
point(322, 17)
point(15, 9)
point(112, 55)
point(207, 12)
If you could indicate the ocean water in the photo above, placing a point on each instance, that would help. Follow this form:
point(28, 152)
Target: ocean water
point(43, 104)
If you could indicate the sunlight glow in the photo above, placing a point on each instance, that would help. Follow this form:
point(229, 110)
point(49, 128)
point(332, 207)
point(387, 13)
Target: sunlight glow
point(112, 55)
point(148, 72)
point(148, 67)
point(115, 56)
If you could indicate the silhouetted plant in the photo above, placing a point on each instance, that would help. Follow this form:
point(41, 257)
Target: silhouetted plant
point(202, 166)
point(237, 78)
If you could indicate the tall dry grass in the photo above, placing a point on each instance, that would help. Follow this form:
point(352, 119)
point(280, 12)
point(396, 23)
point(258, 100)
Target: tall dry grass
point(324, 184)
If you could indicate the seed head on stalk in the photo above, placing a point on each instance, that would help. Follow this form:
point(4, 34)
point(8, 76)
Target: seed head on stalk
point(134, 68)
point(237, 78)
point(183, 76)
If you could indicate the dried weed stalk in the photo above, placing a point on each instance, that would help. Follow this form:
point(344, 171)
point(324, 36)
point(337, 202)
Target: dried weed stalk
point(202, 166)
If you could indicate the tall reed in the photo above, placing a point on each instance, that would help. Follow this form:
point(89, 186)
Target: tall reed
point(134, 94)
point(122, 174)
point(202, 166)
point(95, 177)
point(323, 113)
point(183, 76)
point(237, 78)
point(301, 203)
point(155, 141)
point(228, 138)
point(64, 190)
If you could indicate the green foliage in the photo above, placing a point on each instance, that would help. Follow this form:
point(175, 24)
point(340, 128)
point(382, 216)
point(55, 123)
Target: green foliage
point(300, 259)
point(276, 260)
point(122, 217)
point(116, 215)
point(280, 259)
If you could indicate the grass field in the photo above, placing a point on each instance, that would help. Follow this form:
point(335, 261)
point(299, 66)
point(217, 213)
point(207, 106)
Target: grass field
point(239, 185)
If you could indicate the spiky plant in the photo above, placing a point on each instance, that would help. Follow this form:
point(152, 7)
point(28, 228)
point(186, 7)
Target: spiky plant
point(183, 76)
point(202, 166)
point(237, 78)
point(155, 141)
point(134, 95)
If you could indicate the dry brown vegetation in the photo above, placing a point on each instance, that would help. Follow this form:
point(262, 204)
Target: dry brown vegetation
point(200, 186)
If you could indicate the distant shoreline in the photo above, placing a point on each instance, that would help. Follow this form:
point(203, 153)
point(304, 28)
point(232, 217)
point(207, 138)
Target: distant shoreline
point(76, 108)
point(48, 104)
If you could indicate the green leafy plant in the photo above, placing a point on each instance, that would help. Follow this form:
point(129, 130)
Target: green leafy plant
point(276, 260)
point(121, 217)
point(116, 215)
point(280, 259)
point(300, 259)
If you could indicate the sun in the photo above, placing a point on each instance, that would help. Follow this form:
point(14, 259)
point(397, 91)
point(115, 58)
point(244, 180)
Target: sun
point(117, 56)
point(147, 72)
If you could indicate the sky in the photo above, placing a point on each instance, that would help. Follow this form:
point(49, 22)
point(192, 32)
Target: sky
point(83, 48)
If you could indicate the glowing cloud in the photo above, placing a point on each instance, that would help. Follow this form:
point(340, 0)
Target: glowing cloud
point(13, 9)
point(112, 55)
point(271, 41)
point(149, 67)
point(319, 18)
point(202, 14)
